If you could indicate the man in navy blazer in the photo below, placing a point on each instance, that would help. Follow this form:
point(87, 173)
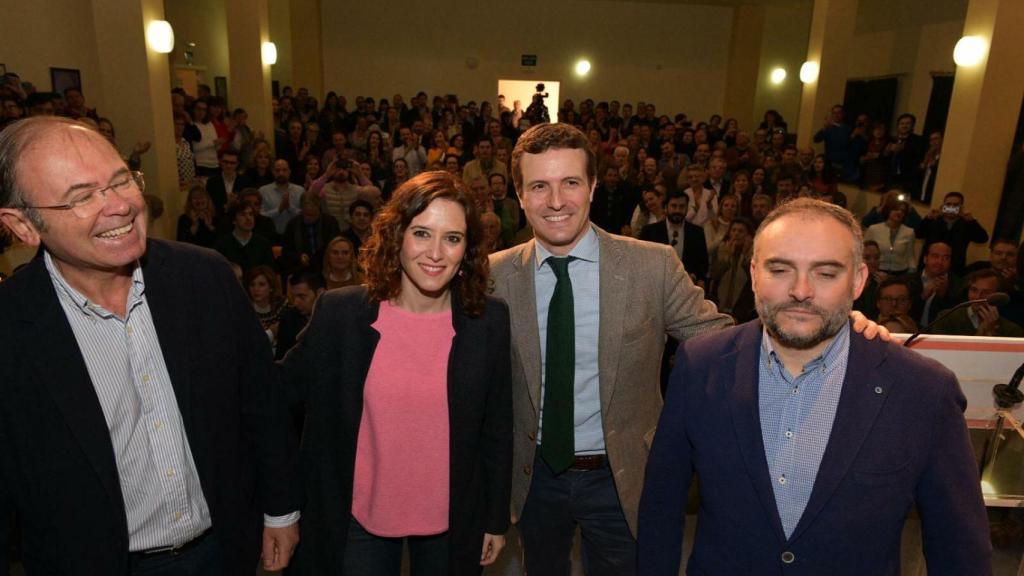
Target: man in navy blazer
point(811, 443)
point(140, 428)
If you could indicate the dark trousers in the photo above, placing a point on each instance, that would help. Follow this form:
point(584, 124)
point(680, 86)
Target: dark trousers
point(556, 505)
point(370, 555)
point(199, 560)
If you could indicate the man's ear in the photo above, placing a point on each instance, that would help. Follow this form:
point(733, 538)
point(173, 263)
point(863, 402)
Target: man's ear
point(20, 225)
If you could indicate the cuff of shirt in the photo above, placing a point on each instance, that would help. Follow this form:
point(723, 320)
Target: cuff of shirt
point(280, 521)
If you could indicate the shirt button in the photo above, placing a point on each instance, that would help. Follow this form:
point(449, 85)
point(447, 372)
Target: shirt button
point(177, 515)
point(170, 472)
point(796, 390)
point(789, 433)
point(129, 330)
point(158, 424)
point(878, 389)
point(782, 480)
point(145, 378)
point(788, 557)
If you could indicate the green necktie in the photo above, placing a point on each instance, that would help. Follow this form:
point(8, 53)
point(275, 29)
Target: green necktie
point(558, 446)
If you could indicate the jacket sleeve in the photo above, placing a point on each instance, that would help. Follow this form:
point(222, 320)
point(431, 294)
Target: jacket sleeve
point(686, 313)
point(954, 524)
point(496, 443)
point(666, 484)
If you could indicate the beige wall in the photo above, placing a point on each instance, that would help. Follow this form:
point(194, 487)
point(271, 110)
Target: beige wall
point(35, 36)
point(675, 53)
point(203, 22)
point(281, 36)
point(783, 43)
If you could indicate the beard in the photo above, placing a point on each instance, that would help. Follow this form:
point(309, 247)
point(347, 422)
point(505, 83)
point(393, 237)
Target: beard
point(676, 218)
point(831, 322)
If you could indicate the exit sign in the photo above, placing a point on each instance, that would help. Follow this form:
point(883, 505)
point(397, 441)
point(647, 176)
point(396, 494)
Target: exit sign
point(529, 59)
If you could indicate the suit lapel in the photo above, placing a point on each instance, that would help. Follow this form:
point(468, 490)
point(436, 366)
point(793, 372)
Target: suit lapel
point(521, 294)
point(859, 404)
point(66, 378)
point(172, 309)
point(744, 405)
point(614, 285)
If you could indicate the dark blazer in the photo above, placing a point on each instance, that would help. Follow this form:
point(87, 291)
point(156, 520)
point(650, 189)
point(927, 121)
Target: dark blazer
point(295, 241)
point(695, 247)
point(326, 371)
point(57, 465)
point(899, 438)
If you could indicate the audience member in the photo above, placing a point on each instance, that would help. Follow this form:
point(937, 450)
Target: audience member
point(197, 224)
point(304, 289)
point(281, 198)
point(241, 245)
point(703, 203)
point(339, 265)
point(905, 153)
point(979, 319)
point(894, 302)
point(954, 226)
point(936, 288)
point(307, 234)
point(895, 240)
point(360, 217)
point(221, 186)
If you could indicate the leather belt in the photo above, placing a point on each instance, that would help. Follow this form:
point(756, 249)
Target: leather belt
point(170, 550)
point(588, 462)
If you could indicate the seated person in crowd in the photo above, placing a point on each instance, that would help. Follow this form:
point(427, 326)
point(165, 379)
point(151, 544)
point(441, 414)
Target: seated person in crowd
point(730, 271)
point(611, 208)
point(936, 288)
point(197, 223)
point(506, 208)
point(954, 226)
point(307, 234)
point(226, 183)
point(281, 197)
point(703, 202)
point(867, 303)
point(304, 287)
point(339, 265)
point(978, 319)
point(241, 245)
point(1002, 257)
point(760, 205)
point(264, 225)
point(685, 238)
point(360, 215)
point(485, 164)
point(894, 305)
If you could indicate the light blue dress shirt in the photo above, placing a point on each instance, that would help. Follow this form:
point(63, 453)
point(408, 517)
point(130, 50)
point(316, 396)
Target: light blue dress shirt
point(796, 420)
point(584, 273)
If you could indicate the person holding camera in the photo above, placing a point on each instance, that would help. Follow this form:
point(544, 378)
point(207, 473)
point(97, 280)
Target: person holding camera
point(954, 226)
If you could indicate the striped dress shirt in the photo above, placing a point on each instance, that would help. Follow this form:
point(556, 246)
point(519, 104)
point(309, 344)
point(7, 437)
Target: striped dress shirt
point(796, 420)
point(163, 499)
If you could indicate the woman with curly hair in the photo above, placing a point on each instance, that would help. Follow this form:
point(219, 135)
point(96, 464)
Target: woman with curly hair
point(405, 382)
point(196, 225)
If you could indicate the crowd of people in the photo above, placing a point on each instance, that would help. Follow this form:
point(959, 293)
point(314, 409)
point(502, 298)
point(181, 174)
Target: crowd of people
point(401, 205)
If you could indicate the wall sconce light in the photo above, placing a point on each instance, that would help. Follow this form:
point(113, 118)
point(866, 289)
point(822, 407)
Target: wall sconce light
point(160, 36)
point(583, 67)
point(809, 72)
point(969, 51)
point(269, 52)
point(778, 75)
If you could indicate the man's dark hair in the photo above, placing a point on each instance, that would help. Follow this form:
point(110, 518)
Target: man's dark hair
point(38, 99)
point(543, 137)
point(308, 277)
point(496, 175)
point(913, 119)
point(359, 203)
point(983, 274)
point(237, 208)
point(894, 281)
point(746, 222)
point(954, 195)
point(676, 193)
point(72, 89)
point(785, 176)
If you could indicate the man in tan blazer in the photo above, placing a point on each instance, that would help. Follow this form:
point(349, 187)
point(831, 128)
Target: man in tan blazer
point(627, 295)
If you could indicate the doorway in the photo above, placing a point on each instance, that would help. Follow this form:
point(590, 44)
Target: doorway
point(523, 91)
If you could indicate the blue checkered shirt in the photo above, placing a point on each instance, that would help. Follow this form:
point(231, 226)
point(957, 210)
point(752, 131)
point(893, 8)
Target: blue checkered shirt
point(796, 420)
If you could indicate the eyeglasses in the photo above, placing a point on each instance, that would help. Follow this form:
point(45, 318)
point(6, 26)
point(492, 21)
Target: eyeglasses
point(88, 203)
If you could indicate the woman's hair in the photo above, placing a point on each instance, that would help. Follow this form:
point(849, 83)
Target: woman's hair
point(379, 257)
point(327, 269)
point(268, 273)
point(198, 189)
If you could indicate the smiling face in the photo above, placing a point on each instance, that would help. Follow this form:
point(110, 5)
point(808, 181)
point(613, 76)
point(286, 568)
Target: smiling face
point(66, 163)
point(433, 246)
point(556, 197)
point(805, 279)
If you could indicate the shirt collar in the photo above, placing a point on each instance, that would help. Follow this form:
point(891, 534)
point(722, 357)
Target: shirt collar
point(588, 248)
point(827, 360)
point(87, 307)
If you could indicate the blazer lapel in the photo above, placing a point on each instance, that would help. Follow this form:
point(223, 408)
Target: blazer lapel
point(173, 313)
point(614, 286)
point(859, 404)
point(744, 405)
point(521, 294)
point(67, 379)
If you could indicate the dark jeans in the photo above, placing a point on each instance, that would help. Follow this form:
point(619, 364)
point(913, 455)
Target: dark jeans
point(370, 555)
point(556, 505)
point(199, 560)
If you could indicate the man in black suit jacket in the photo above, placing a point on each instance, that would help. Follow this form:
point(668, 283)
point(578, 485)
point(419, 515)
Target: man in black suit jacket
point(687, 239)
point(224, 186)
point(138, 417)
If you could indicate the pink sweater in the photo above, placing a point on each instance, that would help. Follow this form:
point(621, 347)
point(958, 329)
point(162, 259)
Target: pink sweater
point(401, 471)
